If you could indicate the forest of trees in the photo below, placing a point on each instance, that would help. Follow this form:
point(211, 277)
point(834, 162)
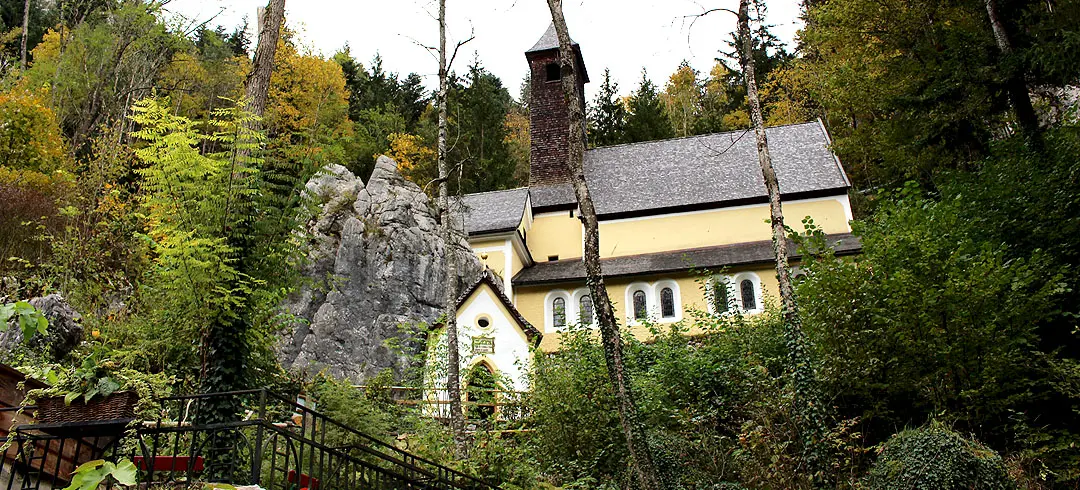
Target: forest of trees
point(135, 181)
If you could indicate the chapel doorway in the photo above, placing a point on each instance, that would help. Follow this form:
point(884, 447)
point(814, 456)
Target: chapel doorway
point(480, 386)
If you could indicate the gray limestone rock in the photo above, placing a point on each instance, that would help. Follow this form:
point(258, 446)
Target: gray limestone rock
point(64, 332)
point(377, 262)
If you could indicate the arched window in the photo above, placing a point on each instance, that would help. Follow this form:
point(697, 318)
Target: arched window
point(749, 296)
point(667, 303)
point(585, 310)
point(721, 296)
point(558, 312)
point(640, 305)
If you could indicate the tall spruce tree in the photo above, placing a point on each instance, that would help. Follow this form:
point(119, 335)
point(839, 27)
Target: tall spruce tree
point(607, 115)
point(647, 120)
point(480, 148)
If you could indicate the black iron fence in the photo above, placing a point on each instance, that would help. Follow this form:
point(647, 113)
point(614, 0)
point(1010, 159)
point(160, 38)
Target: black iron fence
point(275, 443)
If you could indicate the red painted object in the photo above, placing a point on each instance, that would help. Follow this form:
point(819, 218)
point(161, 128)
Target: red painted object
point(305, 482)
point(169, 463)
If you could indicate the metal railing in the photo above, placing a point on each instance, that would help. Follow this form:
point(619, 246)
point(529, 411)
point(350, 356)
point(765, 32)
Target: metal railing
point(477, 404)
point(275, 443)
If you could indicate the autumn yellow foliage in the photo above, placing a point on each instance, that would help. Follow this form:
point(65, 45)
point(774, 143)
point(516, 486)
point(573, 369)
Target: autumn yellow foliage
point(410, 152)
point(307, 113)
point(29, 133)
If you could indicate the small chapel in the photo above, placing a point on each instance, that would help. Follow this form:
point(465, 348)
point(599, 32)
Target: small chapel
point(667, 210)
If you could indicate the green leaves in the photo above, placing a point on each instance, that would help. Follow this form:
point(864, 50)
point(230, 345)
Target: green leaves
point(91, 474)
point(31, 321)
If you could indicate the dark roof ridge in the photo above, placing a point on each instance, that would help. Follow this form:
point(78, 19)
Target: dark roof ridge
point(524, 187)
point(693, 136)
point(652, 263)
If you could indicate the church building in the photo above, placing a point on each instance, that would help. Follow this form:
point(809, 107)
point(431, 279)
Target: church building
point(667, 210)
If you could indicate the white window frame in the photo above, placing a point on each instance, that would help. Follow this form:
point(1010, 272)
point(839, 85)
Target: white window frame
point(549, 310)
point(676, 296)
point(650, 302)
point(759, 303)
point(576, 300)
point(734, 282)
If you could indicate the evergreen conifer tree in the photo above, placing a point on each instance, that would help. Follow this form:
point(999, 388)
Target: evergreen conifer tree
point(647, 120)
point(607, 118)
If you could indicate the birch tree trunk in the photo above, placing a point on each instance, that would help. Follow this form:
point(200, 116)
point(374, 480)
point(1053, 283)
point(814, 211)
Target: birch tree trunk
point(1017, 87)
point(25, 33)
point(641, 454)
point(453, 355)
point(807, 404)
point(257, 85)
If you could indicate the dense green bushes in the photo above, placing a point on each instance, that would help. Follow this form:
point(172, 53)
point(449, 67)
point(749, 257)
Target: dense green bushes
point(938, 458)
point(712, 406)
point(963, 305)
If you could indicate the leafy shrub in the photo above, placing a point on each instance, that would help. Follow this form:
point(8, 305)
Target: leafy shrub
point(712, 404)
point(963, 302)
point(934, 457)
point(30, 135)
point(29, 211)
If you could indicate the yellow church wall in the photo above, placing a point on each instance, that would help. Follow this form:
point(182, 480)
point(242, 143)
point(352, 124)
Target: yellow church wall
point(554, 234)
point(494, 260)
point(480, 244)
point(717, 227)
point(531, 300)
point(516, 264)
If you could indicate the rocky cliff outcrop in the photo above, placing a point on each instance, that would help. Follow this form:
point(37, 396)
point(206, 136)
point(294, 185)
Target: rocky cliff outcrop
point(64, 332)
point(378, 262)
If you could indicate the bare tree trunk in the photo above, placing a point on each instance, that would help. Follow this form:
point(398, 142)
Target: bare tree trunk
point(257, 85)
point(1017, 87)
point(807, 403)
point(25, 33)
point(453, 357)
point(634, 431)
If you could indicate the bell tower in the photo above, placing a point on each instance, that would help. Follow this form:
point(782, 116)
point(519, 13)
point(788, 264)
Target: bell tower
point(549, 123)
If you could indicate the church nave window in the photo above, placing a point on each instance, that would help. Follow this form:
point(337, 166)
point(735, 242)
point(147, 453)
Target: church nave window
point(749, 295)
point(558, 312)
point(640, 305)
point(721, 296)
point(585, 310)
point(667, 303)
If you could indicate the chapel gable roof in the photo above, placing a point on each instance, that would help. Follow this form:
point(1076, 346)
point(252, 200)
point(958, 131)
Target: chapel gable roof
point(494, 283)
point(495, 211)
point(701, 172)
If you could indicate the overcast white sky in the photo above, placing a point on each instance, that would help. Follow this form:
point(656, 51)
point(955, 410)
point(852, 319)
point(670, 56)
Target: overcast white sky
point(623, 35)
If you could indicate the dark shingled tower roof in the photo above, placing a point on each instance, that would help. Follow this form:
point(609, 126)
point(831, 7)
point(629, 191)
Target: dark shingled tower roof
point(550, 40)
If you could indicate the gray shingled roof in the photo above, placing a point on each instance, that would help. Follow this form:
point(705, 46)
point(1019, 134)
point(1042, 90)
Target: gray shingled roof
point(734, 255)
point(682, 173)
point(496, 211)
point(550, 40)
